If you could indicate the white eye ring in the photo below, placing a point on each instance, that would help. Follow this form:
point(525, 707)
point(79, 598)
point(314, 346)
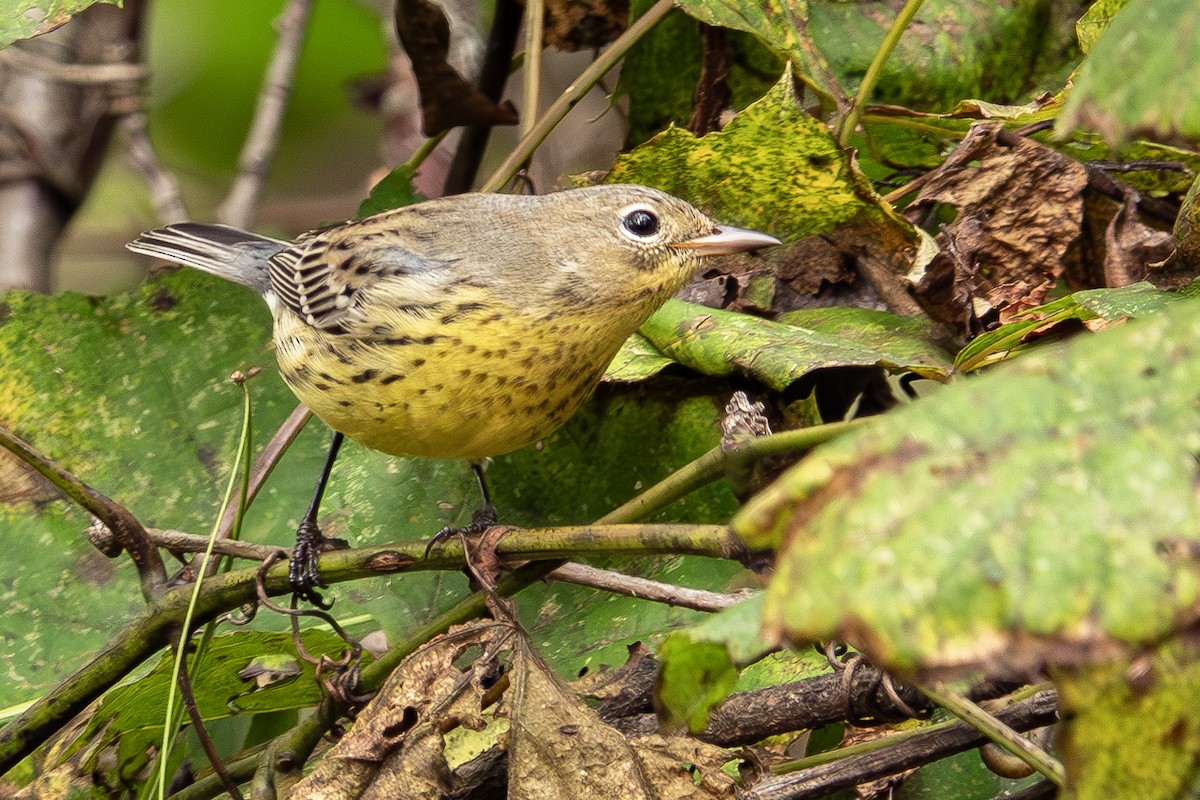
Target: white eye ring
point(641, 223)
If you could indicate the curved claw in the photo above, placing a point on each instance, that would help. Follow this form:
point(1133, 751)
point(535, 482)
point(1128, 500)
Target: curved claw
point(483, 518)
point(304, 572)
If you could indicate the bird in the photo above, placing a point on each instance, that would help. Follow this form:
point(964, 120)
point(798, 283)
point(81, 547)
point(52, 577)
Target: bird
point(462, 327)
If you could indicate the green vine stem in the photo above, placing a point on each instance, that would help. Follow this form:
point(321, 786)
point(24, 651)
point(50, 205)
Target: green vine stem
point(714, 464)
point(573, 94)
point(903, 19)
point(1003, 736)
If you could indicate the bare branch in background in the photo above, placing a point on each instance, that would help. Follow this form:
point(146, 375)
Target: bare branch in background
point(241, 205)
point(56, 121)
point(164, 188)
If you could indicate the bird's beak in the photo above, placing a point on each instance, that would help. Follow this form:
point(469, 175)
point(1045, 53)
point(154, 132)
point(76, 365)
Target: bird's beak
point(728, 239)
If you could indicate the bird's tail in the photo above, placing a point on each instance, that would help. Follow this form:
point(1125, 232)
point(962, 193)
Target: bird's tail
point(228, 252)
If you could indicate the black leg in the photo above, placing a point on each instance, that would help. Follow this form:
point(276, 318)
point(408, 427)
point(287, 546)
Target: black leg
point(483, 518)
point(303, 573)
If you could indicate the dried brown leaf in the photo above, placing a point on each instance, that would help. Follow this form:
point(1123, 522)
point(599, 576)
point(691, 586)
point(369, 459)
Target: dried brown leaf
point(1019, 216)
point(1131, 246)
point(559, 748)
point(395, 747)
point(447, 99)
point(584, 24)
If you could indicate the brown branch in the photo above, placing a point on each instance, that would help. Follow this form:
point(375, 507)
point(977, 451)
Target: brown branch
point(913, 751)
point(206, 742)
point(126, 529)
point(241, 205)
point(164, 188)
point(55, 133)
point(493, 76)
point(264, 464)
point(645, 589)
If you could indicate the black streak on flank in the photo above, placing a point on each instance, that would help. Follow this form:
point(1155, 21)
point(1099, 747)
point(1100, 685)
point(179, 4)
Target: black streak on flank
point(392, 378)
point(461, 310)
point(364, 376)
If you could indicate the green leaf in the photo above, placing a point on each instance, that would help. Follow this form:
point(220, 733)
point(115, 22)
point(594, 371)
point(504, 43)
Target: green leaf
point(1140, 76)
point(1007, 520)
point(1133, 301)
point(1000, 52)
point(694, 676)
point(132, 715)
point(773, 168)
point(778, 353)
point(700, 664)
point(393, 191)
point(23, 19)
point(901, 344)
point(132, 394)
point(660, 72)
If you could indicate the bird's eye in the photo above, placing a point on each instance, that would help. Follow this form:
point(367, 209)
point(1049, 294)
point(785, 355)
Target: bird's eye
point(641, 223)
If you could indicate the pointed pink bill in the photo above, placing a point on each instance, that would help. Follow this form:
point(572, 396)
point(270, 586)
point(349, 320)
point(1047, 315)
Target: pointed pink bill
point(728, 239)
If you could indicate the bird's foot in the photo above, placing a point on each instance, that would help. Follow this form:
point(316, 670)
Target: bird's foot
point(483, 518)
point(304, 572)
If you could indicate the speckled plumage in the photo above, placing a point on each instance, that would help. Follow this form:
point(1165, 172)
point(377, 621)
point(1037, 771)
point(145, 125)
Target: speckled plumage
point(462, 327)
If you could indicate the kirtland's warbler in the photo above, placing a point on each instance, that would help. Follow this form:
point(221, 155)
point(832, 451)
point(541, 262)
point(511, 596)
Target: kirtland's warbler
point(462, 327)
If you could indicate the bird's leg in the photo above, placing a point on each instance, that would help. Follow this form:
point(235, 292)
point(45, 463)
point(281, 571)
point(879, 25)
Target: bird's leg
point(483, 518)
point(303, 572)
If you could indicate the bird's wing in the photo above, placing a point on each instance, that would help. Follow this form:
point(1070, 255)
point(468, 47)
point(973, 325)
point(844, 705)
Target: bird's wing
point(323, 275)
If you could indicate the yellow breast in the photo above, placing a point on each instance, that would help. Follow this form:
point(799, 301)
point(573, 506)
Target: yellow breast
point(463, 380)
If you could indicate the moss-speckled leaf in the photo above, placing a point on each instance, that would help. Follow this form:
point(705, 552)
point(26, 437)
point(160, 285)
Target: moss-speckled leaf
point(777, 353)
point(1132, 732)
point(21, 19)
point(1006, 520)
point(1133, 301)
point(773, 168)
point(660, 72)
point(1141, 75)
point(1095, 20)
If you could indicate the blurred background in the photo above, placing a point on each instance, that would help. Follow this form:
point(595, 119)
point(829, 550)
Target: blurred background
point(354, 114)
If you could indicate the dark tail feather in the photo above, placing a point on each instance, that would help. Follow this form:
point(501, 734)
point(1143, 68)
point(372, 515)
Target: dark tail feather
point(231, 253)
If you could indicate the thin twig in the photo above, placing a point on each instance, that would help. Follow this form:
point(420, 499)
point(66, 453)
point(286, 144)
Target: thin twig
point(206, 742)
point(573, 94)
point(712, 466)
point(180, 542)
point(535, 18)
point(1000, 734)
point(502, 41)
point(646, 589)
point(264, 464)
point(164, 188)
point(79, 74)
point(901, 23)
point(241, 205)
point(920, 747)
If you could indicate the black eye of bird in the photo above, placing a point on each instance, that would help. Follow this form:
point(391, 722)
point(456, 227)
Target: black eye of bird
point(641, 223)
